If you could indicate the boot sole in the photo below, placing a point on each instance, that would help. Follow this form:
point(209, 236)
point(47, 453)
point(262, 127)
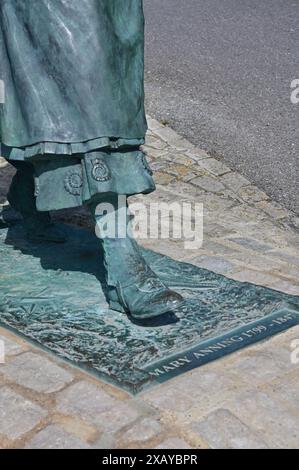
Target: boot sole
point(120, 308)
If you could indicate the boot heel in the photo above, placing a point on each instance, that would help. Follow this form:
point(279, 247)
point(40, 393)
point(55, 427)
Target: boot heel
point(113, 300)
point(114, 305)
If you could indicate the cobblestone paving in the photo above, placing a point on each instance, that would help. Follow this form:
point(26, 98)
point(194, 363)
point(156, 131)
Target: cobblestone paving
point(246, 400)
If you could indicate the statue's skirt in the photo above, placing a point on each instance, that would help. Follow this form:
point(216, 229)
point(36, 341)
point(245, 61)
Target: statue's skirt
point(73, 73)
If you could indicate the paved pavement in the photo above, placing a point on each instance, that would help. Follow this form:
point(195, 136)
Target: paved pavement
point(219, 71)
point(249, 399)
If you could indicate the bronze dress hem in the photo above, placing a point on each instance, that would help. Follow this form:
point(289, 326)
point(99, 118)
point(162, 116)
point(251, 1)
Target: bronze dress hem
point(74, 97)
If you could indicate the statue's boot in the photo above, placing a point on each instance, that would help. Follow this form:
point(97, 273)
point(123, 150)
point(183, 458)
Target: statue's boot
point(132, 286)
point(38, 225)
point(8, 216)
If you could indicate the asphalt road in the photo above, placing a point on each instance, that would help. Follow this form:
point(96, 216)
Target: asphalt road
point(219, 71)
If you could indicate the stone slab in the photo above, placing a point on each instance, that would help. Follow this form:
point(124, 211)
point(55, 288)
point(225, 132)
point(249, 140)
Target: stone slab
point(55, 437)
point(36, 372)
point(17, 414)
point(222, 430)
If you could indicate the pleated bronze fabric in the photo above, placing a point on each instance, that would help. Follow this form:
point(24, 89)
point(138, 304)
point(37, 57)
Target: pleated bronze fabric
point(73, 73)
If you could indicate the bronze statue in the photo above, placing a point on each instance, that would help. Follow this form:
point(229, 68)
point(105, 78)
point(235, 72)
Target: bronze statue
point(73, 122)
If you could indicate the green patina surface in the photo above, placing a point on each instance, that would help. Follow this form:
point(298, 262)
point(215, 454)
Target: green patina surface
point(73, 74)
point(52, 295)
